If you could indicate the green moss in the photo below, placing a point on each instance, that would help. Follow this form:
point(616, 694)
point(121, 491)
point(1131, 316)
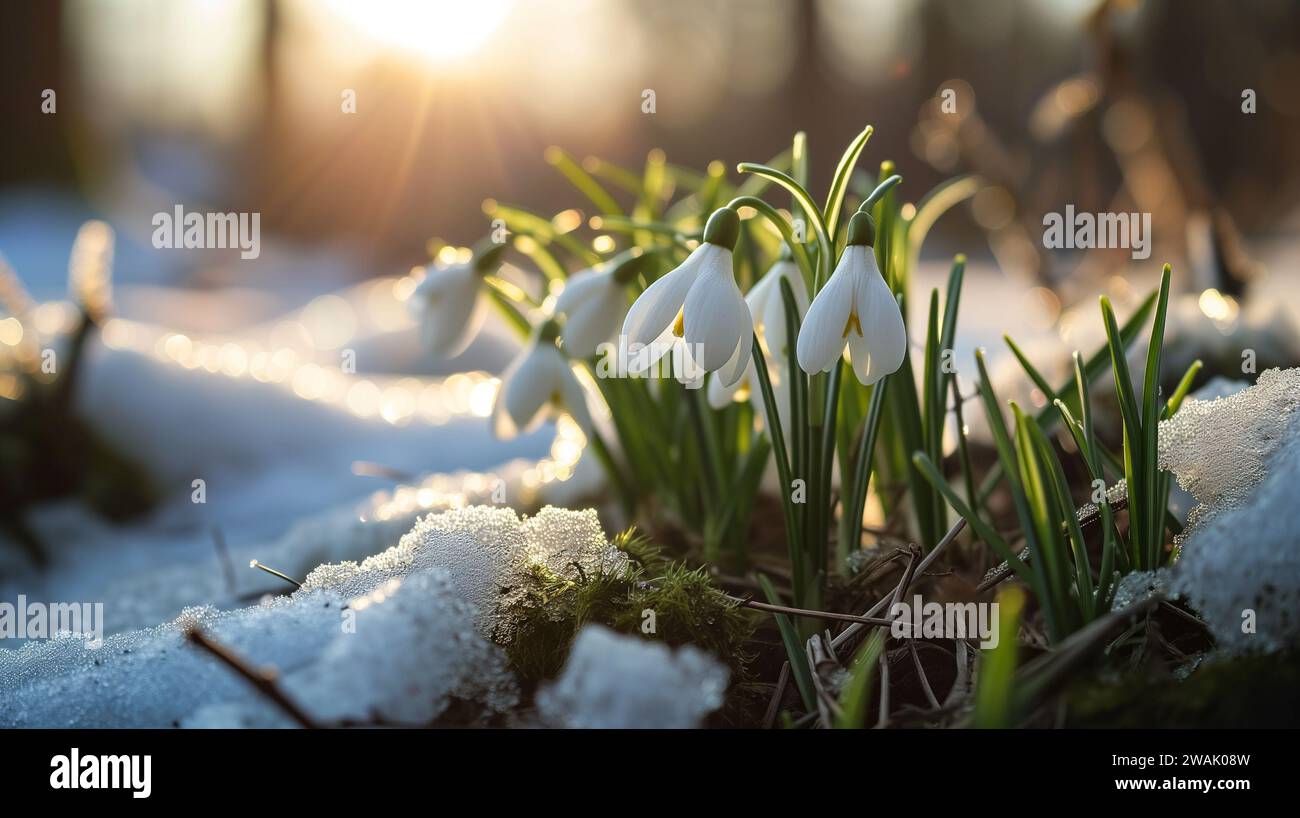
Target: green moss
point(687, 609)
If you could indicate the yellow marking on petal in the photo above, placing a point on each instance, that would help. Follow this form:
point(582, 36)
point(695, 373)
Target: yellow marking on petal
point(679, 323)
point(556, 399)
point(852, 323)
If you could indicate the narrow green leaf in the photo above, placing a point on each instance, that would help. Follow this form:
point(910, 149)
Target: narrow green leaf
point(994, 692)
point(855, 699)
point(840, 181)
point(1184, 386)
point(782, 457)
point(799, 668)
point(982, 529)
point(583, 181)
point(804, 199)
point(866, 453)
point(1152, 406)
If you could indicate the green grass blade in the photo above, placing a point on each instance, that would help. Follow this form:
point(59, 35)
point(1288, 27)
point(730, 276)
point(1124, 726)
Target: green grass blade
point(855, 700)
point(982, 529)
point(1047, 549)
point(806, 201)
point(866, 453)
point(1095, 366)
point(586, 184)
point(793, 542)
point(799, 668)
point(934, 204)
point(994, 692)
point(933, 414)
point(1060, 488)
point(840, 181)
point(1152, 405)
point(1180, 394)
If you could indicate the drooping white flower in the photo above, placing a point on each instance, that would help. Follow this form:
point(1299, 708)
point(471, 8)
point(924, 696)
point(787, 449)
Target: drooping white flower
point(856, 309)
point(699, 303)
point(447, 303)
point(768, 308)
point(539, 384)
point(594, 304)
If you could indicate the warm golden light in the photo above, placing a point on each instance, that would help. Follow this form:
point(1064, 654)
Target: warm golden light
point(433, 30)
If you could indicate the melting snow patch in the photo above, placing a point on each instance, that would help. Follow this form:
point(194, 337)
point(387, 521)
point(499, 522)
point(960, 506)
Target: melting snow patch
point(1239, 559)
point(392, 639)
point(395, 655)
point(487, 552)
point(613, 681)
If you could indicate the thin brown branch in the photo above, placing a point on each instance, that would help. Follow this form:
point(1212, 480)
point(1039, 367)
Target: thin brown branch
point(920, 672)
point(785, 609)
point(774, 706)
point(935, 553)
point(263, 680)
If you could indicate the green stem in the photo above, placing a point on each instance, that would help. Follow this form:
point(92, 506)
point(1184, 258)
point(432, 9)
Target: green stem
point(866, 453)
point(782, 462)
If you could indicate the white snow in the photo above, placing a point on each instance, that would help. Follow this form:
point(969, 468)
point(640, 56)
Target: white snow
point(391, 638)
point(615, 681)
point(487, 552)
point(1239, 558)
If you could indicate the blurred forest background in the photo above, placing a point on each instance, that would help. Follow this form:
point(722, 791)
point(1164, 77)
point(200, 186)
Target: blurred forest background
point(236, 106)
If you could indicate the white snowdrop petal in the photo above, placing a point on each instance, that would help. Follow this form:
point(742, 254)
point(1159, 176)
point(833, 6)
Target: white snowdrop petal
point(821, 337)
point(788, 270)
point(452, 312)
point(772, 328)
point(732, 371)
point(760, 295)
point(435, 282)
point(641, 358)
point(582, 287)
point(792, 274)
point(657, 307)
point(720, 395)
point(478, 313)
point(502, 425)
point(527, 392)
point(860, 358)
point(594, 322)
point(575, 400)
point(882, 325)
point(715, 316)
point(769, 316)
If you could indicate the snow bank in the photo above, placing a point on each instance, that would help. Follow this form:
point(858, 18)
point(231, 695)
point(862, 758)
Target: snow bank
point(396, 654)
point(488, 553)
point(390, 638)
point(614, 681)
point(1239, 559)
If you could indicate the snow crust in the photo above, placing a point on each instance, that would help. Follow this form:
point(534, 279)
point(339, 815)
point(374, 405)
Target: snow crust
point(615, 681)
point(391, 639)
point(1239, 557)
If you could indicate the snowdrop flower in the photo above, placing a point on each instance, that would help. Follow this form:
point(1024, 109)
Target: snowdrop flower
point(447, 303)
point(855, 308)
point(594, 303)
point(537, 385)
point(768, 308)
point(700, 303)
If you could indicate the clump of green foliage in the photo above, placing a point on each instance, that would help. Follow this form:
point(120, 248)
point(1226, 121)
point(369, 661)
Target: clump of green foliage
point(688, 609)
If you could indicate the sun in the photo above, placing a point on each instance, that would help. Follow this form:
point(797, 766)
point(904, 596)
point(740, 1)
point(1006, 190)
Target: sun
point(433, 30)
